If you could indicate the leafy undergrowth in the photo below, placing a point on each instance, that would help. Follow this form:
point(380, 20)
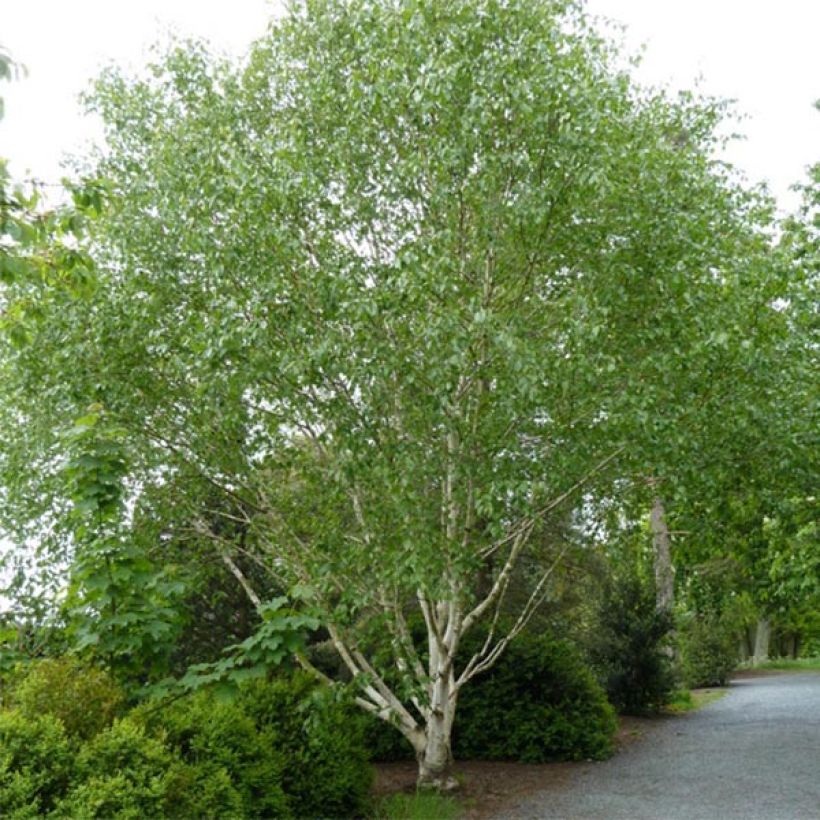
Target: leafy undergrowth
point(419, 806)
point(684, 700)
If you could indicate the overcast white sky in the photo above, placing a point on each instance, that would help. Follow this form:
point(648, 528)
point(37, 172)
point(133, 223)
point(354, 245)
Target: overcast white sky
point(762, 53)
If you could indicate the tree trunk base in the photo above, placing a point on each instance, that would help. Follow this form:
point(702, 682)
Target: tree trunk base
point(437, 783)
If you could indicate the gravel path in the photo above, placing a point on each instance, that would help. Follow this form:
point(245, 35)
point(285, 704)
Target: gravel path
point(752, 755)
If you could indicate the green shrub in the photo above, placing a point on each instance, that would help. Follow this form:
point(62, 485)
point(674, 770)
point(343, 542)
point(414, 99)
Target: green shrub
point(127, 774)
point(628, 647)
point(708, 652)
point(204, 791)
point(220, 740)
point(84, 698)
point(34, 764)
point(287, 747)
point(284, 748)
point(112, 796)
point(539, 702)
point(810, 648)
point(327, 772)
point(119, 773)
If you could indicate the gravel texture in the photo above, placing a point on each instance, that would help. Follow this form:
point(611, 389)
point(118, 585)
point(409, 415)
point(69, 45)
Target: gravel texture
point(754, 754)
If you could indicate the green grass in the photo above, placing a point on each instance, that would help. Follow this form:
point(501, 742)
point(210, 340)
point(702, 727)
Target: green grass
point(419, 806)
point(787, 663)
point(683, 700)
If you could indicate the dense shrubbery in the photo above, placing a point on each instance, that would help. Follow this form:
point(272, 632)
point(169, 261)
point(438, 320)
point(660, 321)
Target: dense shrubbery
point(539, 702)
point(327, 771)
point(283, 748)
point(219, 741)
point(34, 764)
point(708, 649)
point(119, 773)
point(627, 647)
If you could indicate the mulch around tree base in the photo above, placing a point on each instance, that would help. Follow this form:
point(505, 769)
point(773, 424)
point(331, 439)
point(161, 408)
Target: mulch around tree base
point(489, 786)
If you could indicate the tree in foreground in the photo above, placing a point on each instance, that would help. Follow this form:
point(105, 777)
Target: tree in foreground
point(399, 290)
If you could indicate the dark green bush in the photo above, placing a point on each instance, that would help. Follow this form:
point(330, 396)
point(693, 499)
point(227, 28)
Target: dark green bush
point(384, 742)
point(539, 702)
point(327, 773)
point(86, 699)
point(34, 764)
point(708, 650)
point(628, 647)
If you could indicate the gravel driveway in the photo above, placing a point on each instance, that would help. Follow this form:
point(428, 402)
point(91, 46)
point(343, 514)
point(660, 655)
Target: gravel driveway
point(754, 754)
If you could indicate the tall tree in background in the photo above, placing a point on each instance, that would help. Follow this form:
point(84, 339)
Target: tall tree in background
point(399, 289)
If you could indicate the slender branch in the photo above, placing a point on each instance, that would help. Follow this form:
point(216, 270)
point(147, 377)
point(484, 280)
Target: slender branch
point(305, 663)
point(203, 529)
point(530, 520)
point(521, 538)
point(397, 706)
point(239, 575)
point(429, 619)
point(477, 664)
point(406, 640)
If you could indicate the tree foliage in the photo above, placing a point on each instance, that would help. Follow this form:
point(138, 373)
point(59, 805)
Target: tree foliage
point(372, 311)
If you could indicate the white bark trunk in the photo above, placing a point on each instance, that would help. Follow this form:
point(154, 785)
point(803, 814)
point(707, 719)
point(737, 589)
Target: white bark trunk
point(436, 758)
point(664, 571)
point(762, 637)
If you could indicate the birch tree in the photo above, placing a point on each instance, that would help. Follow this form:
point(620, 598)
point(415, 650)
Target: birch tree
point(399, 288)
